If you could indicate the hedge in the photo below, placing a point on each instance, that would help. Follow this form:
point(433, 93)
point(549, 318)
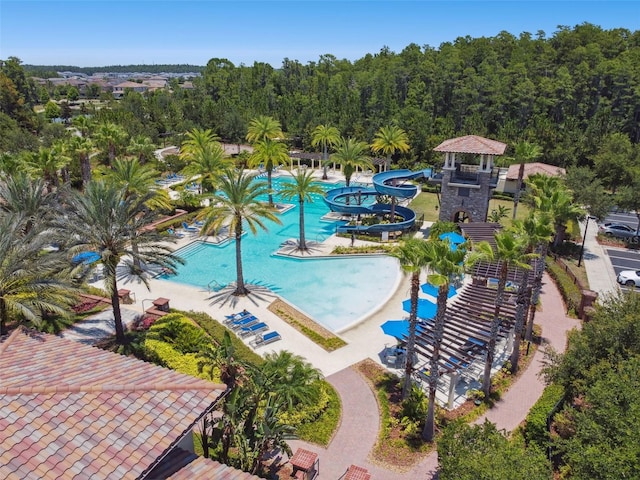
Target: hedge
point(535, 430)
point(568, 289)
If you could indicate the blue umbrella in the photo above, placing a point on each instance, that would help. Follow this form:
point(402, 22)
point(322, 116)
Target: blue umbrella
point(397, 328)
point(454, 238)
point(426, 308)
point(433, 291)
point(87, 258)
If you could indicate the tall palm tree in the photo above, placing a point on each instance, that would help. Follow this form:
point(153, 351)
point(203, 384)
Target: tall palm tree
point(141, 147)
point(31, 283)
point(525, 152)
point(238, 204)
point(412, 257)
point(138, 179)
point(389, 140)
point(110, 138)
point(550, 194)
point(510, 251)
point(443, 264)
point(108, 221)
point(351, 154)
point(80, 148)
point(269, 153)
point(264, 127)
point(205, 157)
point(303, 189)
point(82, 123)
point(535, 230)
point(326, 136)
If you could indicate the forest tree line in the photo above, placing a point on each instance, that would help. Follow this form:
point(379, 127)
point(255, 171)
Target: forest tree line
point(568, 93)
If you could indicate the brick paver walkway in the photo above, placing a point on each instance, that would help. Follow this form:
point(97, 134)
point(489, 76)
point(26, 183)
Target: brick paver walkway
point(359, 427)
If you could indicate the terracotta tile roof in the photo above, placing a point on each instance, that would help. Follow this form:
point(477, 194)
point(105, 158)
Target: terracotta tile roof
point(533, 168)
point(69, 410)
point(472, 144)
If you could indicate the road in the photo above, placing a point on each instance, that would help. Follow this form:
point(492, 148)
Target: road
point(623, 258)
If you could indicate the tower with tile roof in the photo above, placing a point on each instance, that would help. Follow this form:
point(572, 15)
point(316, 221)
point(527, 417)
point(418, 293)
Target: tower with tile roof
point(467, 178)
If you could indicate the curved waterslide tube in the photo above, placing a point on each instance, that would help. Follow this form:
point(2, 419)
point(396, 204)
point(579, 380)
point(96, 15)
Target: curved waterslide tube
point(383, 185)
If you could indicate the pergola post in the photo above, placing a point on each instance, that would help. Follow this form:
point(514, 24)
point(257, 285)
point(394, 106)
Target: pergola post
point(453, 381)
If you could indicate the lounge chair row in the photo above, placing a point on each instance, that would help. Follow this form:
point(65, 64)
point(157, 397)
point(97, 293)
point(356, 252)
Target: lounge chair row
point(245, 324)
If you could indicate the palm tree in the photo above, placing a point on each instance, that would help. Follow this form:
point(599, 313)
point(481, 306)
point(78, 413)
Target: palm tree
point(31, 283)
point(389, 140)
point(351, 154)
point(326, 136)
point(412, 257)
point(291, 378)
point(27, 198)
point(238, 204)
point(550, 194)
point(110, 137)
point(535, 230)
point(81, 148)
point(268, 153)
point(444, 264)
point(82, 123)
point(510, 251)
point(106, 220)
point(139, 179)
point(220, 359)
point(46, 163)
point(525, 152)
point(303, 189)
point(205, 157)
point(264, 127)
point(141, 147)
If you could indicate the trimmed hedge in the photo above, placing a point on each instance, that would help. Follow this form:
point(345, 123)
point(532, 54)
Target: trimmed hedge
point(535, 430)
point(568, 289)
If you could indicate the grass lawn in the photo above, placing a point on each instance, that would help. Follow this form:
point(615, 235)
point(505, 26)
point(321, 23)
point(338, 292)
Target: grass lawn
point(427, 204)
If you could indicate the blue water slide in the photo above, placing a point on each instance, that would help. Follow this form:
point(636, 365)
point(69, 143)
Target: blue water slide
point(384, 183)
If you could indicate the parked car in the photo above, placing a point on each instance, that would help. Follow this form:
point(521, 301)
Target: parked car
point(630, 278)
point(620, 230)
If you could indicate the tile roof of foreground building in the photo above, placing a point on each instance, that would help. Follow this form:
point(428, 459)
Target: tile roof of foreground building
point(533, 168)
point(69, 410)
point(183, 465)
point(472, 144)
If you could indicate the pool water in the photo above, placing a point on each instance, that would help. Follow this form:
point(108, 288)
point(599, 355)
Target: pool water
point(335, 292)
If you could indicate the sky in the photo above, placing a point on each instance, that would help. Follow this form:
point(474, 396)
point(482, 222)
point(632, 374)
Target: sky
point(91, 33)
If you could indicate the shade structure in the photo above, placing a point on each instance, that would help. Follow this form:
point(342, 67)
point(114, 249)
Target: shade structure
point(398, 328)
point(86, 258)
point(454, 238)
point(433, 291)
point(426, 308)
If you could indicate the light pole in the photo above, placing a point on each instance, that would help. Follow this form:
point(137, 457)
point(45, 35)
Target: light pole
point(584, 237)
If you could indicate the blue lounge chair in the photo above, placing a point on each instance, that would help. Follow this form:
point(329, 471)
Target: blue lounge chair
point(254, 329)
point(237, 316)
point(173, 233)
point(245, 322)
point(265, 338)
point(189, 228)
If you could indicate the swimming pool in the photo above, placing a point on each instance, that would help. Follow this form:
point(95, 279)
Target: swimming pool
point(336, 292)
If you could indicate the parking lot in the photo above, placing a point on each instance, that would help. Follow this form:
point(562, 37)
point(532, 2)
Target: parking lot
point(623, 258)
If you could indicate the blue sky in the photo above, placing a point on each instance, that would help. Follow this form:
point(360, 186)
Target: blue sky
point(98, 33)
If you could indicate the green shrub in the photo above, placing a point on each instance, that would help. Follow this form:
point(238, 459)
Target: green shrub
point(321, 430)
point(216, 331)
point(308, 413)
point(415, 406)
point(176, 330)
point(535, 430)
point(171, 358)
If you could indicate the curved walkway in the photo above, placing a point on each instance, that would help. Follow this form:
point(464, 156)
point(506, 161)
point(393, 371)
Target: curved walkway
point(359, 428)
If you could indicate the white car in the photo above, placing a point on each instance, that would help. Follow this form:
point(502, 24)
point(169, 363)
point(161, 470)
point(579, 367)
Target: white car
point(630, 278)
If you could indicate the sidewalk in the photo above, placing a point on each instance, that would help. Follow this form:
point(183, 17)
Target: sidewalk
point(602, 277)
point(358, 431)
